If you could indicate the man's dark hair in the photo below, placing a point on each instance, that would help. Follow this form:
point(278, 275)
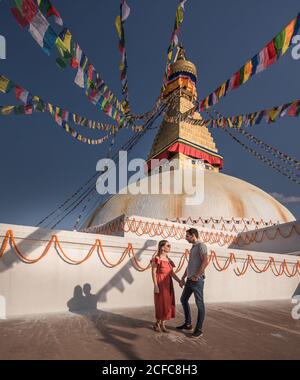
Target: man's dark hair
point(193, 231)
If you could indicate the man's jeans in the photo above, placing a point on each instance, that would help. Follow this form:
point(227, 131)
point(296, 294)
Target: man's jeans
point(195, 287)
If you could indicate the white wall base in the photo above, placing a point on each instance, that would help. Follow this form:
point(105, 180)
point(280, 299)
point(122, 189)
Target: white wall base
point(48, 286)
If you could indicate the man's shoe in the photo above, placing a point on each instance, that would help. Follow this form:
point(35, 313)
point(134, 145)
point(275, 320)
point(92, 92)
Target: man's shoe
point(185, 327)
point(197, 334)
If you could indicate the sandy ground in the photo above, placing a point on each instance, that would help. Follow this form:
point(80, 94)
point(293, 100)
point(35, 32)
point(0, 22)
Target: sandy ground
point(260, 330)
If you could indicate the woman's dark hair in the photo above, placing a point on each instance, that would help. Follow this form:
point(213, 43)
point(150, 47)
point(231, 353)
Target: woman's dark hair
point(161, 244)
point(193, 231)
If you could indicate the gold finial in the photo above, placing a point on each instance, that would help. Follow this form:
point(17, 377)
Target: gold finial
point(181, 63)
point(180, 54)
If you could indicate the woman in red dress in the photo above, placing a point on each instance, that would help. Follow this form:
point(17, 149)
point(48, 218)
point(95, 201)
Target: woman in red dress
point(164, 297)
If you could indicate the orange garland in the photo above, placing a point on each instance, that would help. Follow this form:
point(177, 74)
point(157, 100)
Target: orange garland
point(165, 231)
point(129, 251)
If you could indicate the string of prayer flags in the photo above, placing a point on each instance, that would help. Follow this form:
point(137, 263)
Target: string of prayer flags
point(28, 109)
point(70, 54)
point(78, 136)
point(270, 115)
point(174, 38)
point(269, 55)
point(286, 159)
point(272, 150)
point(119, 24)
point(33, 103)
point(173, 44)
point(27, 13)
point(17, 110)
point(59, 113)
point(279, 168)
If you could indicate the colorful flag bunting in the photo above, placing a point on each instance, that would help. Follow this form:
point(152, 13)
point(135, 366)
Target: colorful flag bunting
point(70, 54)
point(174, 39)
point(269, 115)
point(119, 24)
point(36, 104)
point(260, 62)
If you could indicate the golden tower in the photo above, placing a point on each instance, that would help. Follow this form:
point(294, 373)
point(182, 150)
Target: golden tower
point(190, 144)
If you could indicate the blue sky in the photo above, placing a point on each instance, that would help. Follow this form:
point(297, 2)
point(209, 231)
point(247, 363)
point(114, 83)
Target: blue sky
point(41, 165)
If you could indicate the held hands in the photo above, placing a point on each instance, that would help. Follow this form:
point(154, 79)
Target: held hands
point(181, 283)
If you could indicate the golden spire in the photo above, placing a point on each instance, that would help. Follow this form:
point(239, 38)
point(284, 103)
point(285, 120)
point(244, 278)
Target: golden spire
point(181, 64)
point(183, 140)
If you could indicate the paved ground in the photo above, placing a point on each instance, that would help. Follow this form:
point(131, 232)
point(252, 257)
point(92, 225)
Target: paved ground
point(261, 330)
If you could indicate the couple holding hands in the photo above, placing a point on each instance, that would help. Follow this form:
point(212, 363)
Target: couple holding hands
point(192, 281)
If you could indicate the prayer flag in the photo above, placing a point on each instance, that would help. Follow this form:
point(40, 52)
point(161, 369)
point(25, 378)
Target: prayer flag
point(5, 84)
point(125, 10)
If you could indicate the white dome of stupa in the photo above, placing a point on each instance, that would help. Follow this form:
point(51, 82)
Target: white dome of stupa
point(224, 196)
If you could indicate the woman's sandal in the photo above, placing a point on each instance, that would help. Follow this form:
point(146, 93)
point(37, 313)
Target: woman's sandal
point(156, 327)
point(164, 329)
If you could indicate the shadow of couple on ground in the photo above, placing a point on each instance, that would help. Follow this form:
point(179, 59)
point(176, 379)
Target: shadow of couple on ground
point(118, 330)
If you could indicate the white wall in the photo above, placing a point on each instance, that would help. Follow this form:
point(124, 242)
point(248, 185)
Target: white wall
point(48, 285)
point(281, 244)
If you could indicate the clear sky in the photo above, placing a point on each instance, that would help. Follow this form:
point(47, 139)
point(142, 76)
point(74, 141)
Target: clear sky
point(41, 165)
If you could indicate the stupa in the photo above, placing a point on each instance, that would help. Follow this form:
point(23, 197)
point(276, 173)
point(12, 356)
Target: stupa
point(225, 196)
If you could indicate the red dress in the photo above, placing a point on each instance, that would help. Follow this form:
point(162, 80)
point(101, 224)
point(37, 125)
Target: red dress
point(164, 301)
